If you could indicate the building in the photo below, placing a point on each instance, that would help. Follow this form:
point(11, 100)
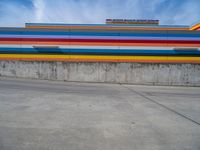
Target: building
point(119, 40)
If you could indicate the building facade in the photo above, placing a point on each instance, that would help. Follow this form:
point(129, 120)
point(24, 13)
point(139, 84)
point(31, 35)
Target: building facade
point(116, 41)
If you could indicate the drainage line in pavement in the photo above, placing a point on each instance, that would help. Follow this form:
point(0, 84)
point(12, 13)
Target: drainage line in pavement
point(169, 109)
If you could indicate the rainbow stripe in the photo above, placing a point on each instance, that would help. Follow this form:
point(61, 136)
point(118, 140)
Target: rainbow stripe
point(101, 43)
point(195, 27)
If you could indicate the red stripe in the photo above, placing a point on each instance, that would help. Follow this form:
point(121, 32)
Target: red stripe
point(197, 28)
point(100, 40)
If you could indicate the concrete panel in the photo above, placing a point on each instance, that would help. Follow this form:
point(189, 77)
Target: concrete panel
point(107, 72)
point(86, 72)
point(130, 73)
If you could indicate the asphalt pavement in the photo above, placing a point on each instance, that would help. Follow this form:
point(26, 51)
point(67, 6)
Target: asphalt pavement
point(53, 115)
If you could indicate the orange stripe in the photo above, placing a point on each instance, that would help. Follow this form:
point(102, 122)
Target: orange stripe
point(102, 27)
point(195, 27)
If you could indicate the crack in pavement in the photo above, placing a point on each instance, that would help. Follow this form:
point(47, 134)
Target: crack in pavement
point(169, 109)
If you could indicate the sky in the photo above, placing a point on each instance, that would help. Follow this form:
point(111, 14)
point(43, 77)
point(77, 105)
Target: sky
point(169, 12)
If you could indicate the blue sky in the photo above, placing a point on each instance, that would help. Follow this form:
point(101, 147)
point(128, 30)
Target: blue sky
point(18, 12)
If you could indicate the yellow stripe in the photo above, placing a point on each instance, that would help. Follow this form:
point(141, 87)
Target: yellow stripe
point(195, 26)
point(98, 57)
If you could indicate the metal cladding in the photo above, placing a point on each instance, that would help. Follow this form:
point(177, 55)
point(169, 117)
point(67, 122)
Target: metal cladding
point(101, 43)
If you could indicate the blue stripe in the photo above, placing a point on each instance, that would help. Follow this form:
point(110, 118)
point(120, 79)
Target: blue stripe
point(102, 34)
point(98, 37)
point(97, 51)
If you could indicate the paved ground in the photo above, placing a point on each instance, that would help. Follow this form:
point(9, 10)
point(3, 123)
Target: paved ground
point(43, 115)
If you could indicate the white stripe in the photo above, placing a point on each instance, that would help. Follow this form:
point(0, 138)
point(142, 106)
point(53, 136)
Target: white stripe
point(98, 47)
point(89, 47)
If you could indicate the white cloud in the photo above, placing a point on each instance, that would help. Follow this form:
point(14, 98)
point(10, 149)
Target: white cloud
point(96, 11)
point(39, 10)
point(14, 14)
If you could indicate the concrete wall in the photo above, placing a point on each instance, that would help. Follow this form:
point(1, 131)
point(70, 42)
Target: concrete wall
point(131, 73)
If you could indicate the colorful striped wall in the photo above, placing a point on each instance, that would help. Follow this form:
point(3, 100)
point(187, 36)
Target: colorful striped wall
point(101, 43)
